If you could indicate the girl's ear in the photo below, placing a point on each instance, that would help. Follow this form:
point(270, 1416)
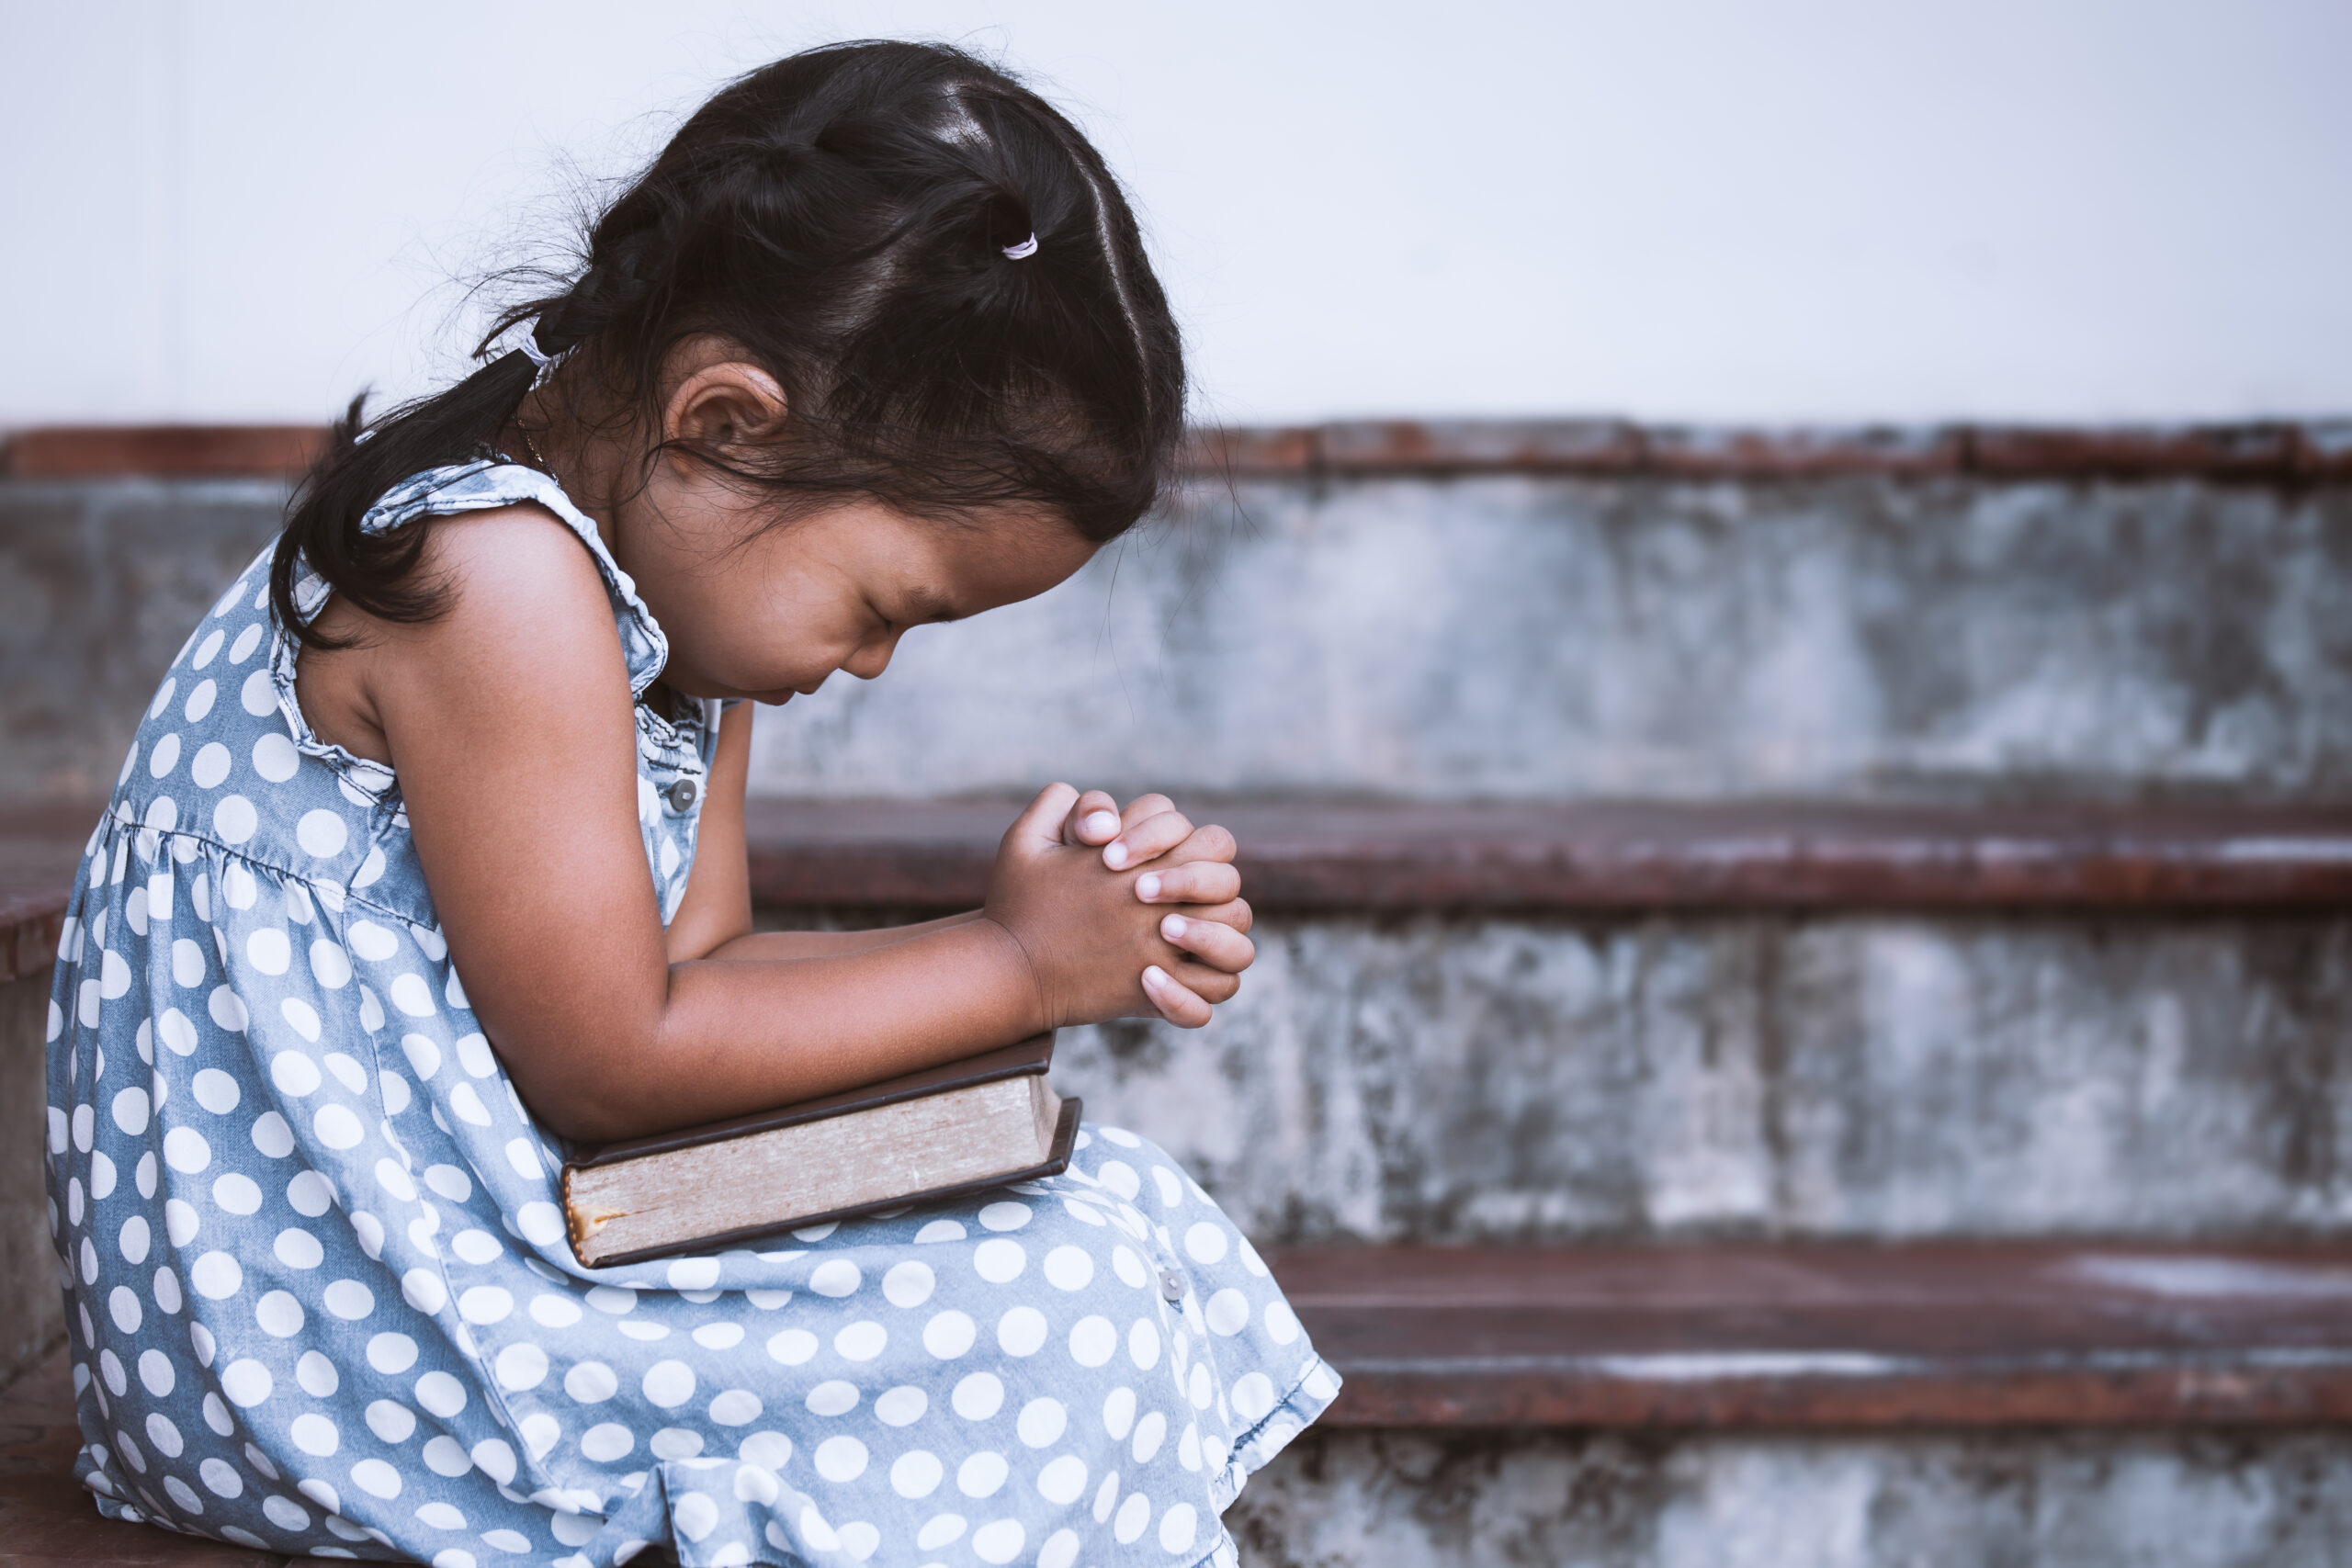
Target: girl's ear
point(724, 404)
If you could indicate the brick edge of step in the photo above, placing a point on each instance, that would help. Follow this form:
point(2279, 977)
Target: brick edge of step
point(1307, 856)
point(2281, 452)
point(1600, 856)
point(1813, 1336)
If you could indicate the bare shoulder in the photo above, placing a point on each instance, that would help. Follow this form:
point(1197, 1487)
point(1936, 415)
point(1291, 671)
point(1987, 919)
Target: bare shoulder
point(525, 617)
point(523, 605)
point(514, 561)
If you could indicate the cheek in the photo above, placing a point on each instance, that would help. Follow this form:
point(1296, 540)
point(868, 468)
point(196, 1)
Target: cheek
point(745, 639)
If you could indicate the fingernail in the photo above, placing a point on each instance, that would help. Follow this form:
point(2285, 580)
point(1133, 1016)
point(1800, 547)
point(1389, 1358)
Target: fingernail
point(1172, 927)
point(1153, 975)
point(1114, 855)
point(1147, 884)
point(1102, 822)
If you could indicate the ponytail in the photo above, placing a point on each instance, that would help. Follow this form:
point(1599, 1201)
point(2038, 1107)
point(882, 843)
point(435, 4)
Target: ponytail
point(377, 571)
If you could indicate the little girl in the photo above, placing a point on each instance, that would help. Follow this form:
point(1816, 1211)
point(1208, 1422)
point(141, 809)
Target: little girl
point(428, 861)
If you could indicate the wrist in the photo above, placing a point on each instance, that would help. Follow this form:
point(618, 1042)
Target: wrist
point(1021, 978)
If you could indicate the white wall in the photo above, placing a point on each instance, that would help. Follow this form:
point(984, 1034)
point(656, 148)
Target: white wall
point(2092, 210)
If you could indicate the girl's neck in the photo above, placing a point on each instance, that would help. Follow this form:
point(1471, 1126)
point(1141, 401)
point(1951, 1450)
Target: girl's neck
point(588, 469)
point(561, 446)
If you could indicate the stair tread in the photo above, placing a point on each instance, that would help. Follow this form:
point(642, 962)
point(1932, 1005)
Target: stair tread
point(1516, 856)
point(45, 1515)
point(1813, 1334)
point(1610, 855)
point(1753, 1334)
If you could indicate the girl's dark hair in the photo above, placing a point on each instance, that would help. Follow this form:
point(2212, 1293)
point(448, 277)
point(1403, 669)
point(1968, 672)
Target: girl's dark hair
point(843, 215)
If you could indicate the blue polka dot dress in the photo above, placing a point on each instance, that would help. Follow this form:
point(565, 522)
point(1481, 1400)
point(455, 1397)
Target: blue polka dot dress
point(319, 1294)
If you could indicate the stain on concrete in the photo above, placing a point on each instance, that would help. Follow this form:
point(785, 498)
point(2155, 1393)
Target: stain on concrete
point(32, 1307)
point(1868, 1075)
point(1999, 1499)
point(100, 584)
point(1548, 637)
point(1500, 637)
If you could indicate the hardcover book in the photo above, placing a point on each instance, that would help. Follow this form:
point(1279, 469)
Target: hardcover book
point(958, 1128)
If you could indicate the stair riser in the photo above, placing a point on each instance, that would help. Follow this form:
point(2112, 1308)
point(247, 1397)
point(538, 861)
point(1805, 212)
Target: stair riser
point(100, 584)
point(1490, 636)
point(1868, 1076)
point(1553, 637)
point(32, 1309)
point(2077, 1500)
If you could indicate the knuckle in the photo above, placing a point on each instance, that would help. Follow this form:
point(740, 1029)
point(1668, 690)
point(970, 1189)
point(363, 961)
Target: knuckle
point(1215, 842)
point(1204, 886)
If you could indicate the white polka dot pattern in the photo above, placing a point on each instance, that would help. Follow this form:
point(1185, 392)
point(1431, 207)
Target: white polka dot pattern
point(322, 1300)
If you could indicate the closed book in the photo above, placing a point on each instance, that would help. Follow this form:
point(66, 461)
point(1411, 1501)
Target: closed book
point(958, 1128)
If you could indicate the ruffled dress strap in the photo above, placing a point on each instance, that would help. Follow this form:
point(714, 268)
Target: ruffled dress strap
point(489, 483)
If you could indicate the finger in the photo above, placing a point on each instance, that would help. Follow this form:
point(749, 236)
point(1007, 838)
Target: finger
point(1039, 824)
point(1203, 882)
point(1234, 912)
point(1215, 944)
point(1209, 842)
point(1146, 840)
point(1214, 987)
point(1095, 819)
point(1176, 1003)
point(1145, 806)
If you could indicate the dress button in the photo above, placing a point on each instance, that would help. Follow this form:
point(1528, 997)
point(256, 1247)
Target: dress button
point(681, 795)
point(1171, 1284)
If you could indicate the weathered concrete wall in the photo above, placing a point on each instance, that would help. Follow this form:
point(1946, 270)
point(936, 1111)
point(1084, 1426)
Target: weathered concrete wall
point(1442, 1081)
point(32, 1307)
point(2014, 1499)
point(100, 582)
point(1515, 637)
point(1527, 637)
point(1438, 1079)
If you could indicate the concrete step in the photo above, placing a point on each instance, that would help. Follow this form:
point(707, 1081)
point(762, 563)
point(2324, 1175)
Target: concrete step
point(45, 1516)
point(1529, 1023)
point(1349, 857)
point(1450, 1079)
point(2035, 1497)
point(2093, 1051)
point(1808, 1337)
point(1719, 1406)
point(1535, 635)
point(1478, 612)
point(1890, 1049)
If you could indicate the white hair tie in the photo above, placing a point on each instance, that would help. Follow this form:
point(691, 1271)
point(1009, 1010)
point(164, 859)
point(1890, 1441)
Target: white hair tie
point(530, 347)
point(1022, 251)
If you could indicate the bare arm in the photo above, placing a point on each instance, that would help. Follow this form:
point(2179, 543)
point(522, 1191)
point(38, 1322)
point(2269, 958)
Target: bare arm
point(824, 944)
point(509, 727)
point(714, 919)
point(510, 723)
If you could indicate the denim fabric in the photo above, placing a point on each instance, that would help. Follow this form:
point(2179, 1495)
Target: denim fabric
point(320, 1295)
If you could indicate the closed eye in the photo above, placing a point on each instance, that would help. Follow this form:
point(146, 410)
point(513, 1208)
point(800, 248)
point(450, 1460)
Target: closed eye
point(929, 608)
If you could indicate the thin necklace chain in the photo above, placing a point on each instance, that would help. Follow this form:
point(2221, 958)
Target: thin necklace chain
point(541, 457)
